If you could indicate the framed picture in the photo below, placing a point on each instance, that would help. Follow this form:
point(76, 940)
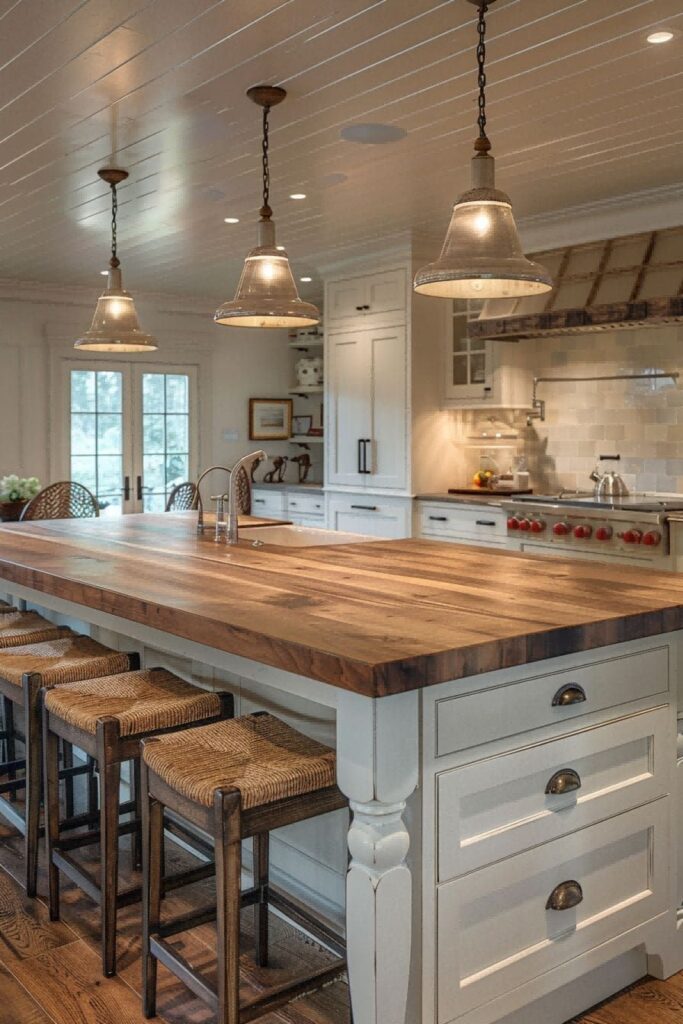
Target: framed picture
point(270, 419)
point(302, 425)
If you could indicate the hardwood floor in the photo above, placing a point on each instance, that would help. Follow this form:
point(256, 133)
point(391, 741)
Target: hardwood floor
point(50, 973)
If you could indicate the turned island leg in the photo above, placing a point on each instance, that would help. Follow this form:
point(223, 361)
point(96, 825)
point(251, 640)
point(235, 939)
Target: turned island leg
point(377, 766)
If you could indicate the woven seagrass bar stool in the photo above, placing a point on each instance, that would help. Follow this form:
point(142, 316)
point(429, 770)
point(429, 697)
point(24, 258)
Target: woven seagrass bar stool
point(24, 670)
point(17, 628)
point(233, 780)
point(107, 718)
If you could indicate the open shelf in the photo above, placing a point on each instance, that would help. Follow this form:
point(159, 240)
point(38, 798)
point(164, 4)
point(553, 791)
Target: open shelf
point(306, 439)
point(317, 389)
point(303, 346)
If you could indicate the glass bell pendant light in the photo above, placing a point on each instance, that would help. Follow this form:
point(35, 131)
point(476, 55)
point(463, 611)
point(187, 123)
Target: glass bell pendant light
point(115, 326)
point(482, 256)
point(266, 294)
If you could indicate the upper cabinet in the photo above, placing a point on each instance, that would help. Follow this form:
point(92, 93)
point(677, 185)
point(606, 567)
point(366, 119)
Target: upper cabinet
point(381, 298)
point(482, 374)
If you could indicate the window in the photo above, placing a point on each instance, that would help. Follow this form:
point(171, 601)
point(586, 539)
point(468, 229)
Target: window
point(165, 436)
point(97, 435)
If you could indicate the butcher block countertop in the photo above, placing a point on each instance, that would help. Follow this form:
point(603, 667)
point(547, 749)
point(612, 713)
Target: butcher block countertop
point(376, 618)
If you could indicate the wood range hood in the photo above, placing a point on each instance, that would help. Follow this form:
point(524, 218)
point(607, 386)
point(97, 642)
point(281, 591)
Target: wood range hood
point(614, 284)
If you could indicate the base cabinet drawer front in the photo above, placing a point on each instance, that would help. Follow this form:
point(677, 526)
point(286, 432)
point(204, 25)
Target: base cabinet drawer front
point(453, 521)
point(474, 718)
point(495, 808)
point(372, 515)
point(502, 926)
point(272, 504)
point(317, 522)
point(305, 504)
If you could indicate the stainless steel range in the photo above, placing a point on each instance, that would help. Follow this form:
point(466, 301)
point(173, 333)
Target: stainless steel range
point(632, 528)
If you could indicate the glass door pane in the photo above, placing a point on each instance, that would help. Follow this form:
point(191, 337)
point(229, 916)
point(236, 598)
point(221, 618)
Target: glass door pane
point(96, 436)
point(165, 436)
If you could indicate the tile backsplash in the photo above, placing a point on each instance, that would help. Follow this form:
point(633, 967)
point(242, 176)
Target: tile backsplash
point(640, 420)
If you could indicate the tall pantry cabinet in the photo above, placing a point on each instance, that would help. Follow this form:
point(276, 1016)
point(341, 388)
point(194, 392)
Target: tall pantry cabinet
point(387, 438)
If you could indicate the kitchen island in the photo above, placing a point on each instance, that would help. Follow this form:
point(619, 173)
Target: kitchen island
point(518, 713)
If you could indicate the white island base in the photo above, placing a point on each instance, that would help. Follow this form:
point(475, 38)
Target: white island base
point(474, 803)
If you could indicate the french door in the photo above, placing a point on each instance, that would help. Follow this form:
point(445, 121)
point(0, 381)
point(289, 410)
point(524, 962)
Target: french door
point(132, 432)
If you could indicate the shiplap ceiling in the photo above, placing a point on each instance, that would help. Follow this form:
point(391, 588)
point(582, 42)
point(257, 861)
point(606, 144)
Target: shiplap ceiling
point(581, 108)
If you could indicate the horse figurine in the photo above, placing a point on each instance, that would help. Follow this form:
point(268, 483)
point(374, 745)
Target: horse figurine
point(304, 464)
point(277, 474)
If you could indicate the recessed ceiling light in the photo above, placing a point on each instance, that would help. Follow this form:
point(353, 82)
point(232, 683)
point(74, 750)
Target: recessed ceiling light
point(298, 195)
point(231, 220)
point(305, 279)
point(104, 273)
point(280, 248)
point(663, 35)
point(372, 134)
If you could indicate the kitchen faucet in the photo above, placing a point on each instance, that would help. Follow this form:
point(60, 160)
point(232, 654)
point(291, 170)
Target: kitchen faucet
point(258, 456)
point(200, 506)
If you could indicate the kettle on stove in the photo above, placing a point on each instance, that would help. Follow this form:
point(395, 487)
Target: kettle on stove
point(608, 484)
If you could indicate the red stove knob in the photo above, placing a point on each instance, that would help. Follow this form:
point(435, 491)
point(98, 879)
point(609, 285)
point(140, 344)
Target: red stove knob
point(583, 532)
point(652, 538)
point(513, 523)
point(603, 533)
point(560, 529)
point(632, 536)
point(525, 525)
point(537, 526)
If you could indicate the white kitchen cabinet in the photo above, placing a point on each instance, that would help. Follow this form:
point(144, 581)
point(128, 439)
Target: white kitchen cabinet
point(269, 502)
point(303, 508)
point(369, 514)
point(462, 524)
point(482, 374)
point(379, 297)
point(367, 408)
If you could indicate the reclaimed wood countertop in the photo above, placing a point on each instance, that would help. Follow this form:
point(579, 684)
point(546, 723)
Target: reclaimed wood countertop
point(376, 618)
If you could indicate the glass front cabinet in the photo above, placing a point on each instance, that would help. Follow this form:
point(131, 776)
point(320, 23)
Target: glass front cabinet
point(482, 374)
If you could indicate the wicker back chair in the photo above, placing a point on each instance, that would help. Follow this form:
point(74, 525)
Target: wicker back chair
point(183, 497)
point(63, 500)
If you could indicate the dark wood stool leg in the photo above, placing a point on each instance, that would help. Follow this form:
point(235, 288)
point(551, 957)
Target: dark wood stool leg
point(10, 745)
point(152, 814)
point(68, 757)
point(135, 843)
point(261, 864)
point(110, 781)
point(228, 877)
point(93, 789)
point(51, 799)
point(33, 734)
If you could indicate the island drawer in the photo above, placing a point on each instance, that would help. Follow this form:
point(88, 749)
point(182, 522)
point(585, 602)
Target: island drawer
point(497, 807)
point(475, 717)
point(497, 928)
point(270, 504)
point(306, 504)
point(458, 520)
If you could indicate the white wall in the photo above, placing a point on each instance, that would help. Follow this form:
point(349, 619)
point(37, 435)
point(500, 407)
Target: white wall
point(38, 324)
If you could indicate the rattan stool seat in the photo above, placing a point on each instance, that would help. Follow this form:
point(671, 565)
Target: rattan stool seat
point(259, 755)
point(141, 702)
point(18, 628)
point(61, 660)
point(5, 607)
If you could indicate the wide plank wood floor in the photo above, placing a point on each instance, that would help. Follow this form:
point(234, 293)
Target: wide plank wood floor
point(50, 972)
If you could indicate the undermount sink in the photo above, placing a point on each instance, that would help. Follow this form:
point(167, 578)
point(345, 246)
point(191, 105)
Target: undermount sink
point(299, 536)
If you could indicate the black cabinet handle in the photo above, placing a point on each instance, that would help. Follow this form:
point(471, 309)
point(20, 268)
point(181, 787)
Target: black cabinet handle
point(139, 487)
point(572, 693)
point(126, 488)
point(366, 508)
point(439, 519)
point(565, 896)
point(360, 455)
point(486, 522)
point(259, 501)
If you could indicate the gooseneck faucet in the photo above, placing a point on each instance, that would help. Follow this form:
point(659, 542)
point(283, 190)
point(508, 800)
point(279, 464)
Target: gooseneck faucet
point(246, 460)
point(200, 506)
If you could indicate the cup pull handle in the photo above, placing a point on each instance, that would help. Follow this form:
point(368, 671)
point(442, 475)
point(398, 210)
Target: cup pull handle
point(572, 693)
point(565, 896)
point(564, 781)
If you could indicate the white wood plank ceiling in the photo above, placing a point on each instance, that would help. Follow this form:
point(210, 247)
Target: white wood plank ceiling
point(581, 108)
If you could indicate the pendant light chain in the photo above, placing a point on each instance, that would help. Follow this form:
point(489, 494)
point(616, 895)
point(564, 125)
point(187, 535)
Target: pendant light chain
point(266, 211)
point(482, 145)
point(114, 261)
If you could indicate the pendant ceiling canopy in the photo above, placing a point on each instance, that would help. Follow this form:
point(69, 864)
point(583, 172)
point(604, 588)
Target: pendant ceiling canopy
point(115, 326)
point(266, 295)
point(482, 255)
